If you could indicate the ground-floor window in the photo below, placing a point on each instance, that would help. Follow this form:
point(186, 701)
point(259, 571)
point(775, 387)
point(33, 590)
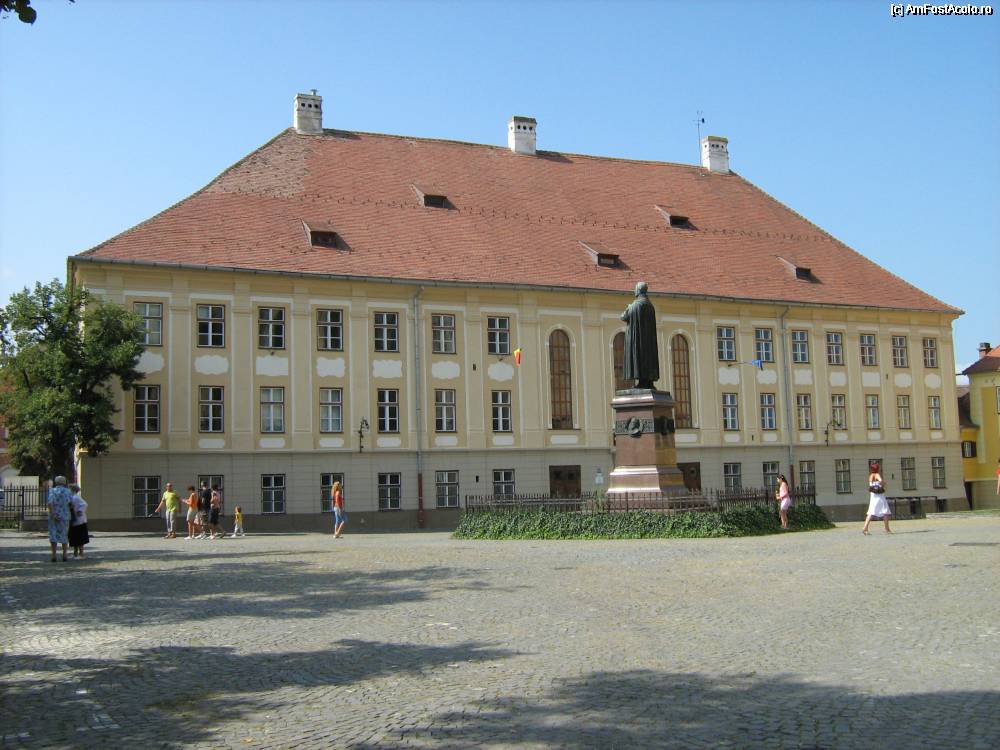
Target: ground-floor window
point(732, 478)
point(272, 493)
point(770, 471)
point(145, 495)
point(326, 490)
point(447, 488)
point(389, 490)
point(908, 473)
point(842, 469)
point(503, 481)
point(937, 472)
point(807, 475)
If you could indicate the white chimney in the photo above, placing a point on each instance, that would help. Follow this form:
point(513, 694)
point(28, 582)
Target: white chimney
point(309, 113)
point(521, 134)
point(715, 153)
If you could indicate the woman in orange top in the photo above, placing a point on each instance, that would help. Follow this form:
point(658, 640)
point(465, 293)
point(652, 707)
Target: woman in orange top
point(339, 516)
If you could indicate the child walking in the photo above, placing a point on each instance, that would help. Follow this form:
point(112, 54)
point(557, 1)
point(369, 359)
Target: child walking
point(238, 522)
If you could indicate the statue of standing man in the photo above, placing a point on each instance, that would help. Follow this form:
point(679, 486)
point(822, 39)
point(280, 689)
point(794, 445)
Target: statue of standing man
point(642, 355)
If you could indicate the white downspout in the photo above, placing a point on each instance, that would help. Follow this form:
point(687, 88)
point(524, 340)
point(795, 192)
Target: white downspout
point(786, 369)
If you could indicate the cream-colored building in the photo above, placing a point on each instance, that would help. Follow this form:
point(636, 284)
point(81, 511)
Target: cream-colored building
point(353, 306)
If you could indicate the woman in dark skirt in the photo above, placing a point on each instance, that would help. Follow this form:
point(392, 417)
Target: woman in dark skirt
point(78, 534)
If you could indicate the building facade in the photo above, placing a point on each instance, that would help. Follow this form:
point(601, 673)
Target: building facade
point(423, 320)
point(981, 438)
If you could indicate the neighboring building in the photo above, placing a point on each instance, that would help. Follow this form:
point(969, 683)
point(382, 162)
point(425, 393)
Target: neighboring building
point(347, 305)
point(981, 438)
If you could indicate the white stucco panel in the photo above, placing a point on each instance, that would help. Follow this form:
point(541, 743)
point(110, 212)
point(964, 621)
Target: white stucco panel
point(729, 375)
point(686, 437)
point(500, 371)
point(731, 438)
point(936, 435)
point(838, 379)
point(388, 442)
point(149, 362)
point(331, 442)
point(211, 364)
point(767, 377)
point(211, 443)
point(803, 377)
point(446, 370)
point(272, 442)
point(563, 440)
point(806, 437)
point(272, 366)
point(874, 435)
point(932, 380)
point(905, 435)
point(387, 368)
point(146, 443)
point(903, 380)
point(503, 440)
point(770, 437)
point(871, 379)
point(445, 441)
point(841, 437)
point(331, 368)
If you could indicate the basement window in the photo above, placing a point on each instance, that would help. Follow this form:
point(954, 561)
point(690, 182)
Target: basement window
point(601, 255)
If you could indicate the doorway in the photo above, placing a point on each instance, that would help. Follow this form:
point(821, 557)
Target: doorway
point(692, 475)
point(564, 481)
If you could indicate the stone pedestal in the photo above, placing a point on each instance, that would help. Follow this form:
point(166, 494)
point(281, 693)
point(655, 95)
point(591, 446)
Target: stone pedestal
point(645, 452)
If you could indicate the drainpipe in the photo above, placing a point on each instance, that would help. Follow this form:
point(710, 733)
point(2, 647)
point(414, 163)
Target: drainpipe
point(418, 384)
point(786, 369)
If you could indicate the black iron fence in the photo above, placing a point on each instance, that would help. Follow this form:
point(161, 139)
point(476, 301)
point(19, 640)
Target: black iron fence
point(19, 504)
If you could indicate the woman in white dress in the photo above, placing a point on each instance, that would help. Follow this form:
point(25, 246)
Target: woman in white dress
point(878, 507)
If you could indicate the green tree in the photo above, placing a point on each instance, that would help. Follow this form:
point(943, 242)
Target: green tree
point(60, 350)
point(25, 12)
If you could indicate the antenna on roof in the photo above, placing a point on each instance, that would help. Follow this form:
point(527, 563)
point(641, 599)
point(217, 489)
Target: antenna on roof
point(699, 121)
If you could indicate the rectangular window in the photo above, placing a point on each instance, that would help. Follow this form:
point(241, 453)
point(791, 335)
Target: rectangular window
point(871, 411)
point(769, 471)
point(331, 410)
point(271, 328)
point(800, 347)
point(732, 476)
point(908, 473)
point(934, 412)
point(763, 344)
point(501, 412)
point(807, 475)
point(389, 491)
point(968, 449)
point(900, 355)
point(216, 482)
point(145, 495)
point(330, 330)
point(503, 481)
point(326, 490)
point(804, 409)
point(725, 339)
point(272, 409)
point(447, 488)
point(834, 348)
point(388, 410)
point(937, 472)
point(869, 352)
point(444, 410)
point(152, 322)
point(272, 493)
point(211, 325)
point(930, 353)
point(768, 416)
point(842, 470)
point(443, 334)
point(838, 410)
point(730, 412)
point(903, 412)
point(386, 332)
point(210, 408)
point(498, 335)
point(147, 408)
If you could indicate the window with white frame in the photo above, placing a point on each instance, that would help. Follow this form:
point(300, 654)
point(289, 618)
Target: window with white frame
point(389, 491)
point(497, 334)
point(869, 350)
point(763, 344)
point(147, 408)
point(330, 330)
point(725, 340)
point(908, 473)
point(272, 493)
point(768, 413)
point(446, 483)
point(930, 352)
point(272, 409)
point(271, 328)
point(211, 325)
point(444, 410)
point(730, 412)
point(769, 471)
point(145, 495)
point(152, 322)
point(807, 475)
point(326, 482)
point(216, 482)
point(732, 476)
point(800, 347)
point(443, 334)
point(937, 472)
point(388, 410)
point(331, 410)
point(934, 412)
point(501, 411)
point(804, 410)
point(968, 449)
point(871, 411)
point(211, 405)
point(386, 332)
point(503, 481)
point(838, 410)
point(903, 412)
point(842, 472)
point(834, 348)
point(900, 355)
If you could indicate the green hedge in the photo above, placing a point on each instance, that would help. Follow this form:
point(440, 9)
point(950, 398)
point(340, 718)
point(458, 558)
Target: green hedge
point(641, 524)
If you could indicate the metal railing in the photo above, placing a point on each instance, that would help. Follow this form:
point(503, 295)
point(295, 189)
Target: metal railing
point(19, 504)
point(910, 506)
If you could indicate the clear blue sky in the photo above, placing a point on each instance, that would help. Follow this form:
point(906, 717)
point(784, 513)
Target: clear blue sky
point(883, 131)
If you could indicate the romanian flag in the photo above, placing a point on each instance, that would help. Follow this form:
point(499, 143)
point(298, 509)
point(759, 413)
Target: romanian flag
point(517, 356)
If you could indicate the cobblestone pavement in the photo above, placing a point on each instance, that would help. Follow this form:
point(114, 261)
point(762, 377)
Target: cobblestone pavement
point(812, 640)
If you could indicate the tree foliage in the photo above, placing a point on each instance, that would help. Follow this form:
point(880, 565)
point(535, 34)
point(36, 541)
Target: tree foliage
point(22, 8)
point(60, 351)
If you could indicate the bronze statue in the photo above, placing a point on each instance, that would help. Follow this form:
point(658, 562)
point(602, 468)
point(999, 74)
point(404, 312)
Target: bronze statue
point(642, 355)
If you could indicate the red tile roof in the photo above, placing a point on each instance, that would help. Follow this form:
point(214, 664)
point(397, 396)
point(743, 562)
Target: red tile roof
point(511, 219)
point(988, 363)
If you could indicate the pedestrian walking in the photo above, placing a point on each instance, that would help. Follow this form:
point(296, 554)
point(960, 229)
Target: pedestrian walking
point(78, 534)
point(215, 511)
point(784, 498)
point(339, 515)
point(58, 502)
point(878, 507)
point(192, 510)
point(169, 504)
point(204, 508)
point(238, 522)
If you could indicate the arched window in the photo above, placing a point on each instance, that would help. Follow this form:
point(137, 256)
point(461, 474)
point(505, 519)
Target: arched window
point(681, 358)
point(618, 361)
point(562, 381)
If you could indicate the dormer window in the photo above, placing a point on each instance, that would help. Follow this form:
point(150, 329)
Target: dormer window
point(675, 218)
point(319, 238)
point(601, 255)
point(321, 233)
point(802, 273)
point(432, 197)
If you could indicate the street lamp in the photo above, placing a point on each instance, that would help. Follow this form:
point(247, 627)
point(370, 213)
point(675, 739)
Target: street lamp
point(362, 428)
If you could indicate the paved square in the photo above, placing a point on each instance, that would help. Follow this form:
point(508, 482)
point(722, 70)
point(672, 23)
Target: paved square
point(811, 640)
